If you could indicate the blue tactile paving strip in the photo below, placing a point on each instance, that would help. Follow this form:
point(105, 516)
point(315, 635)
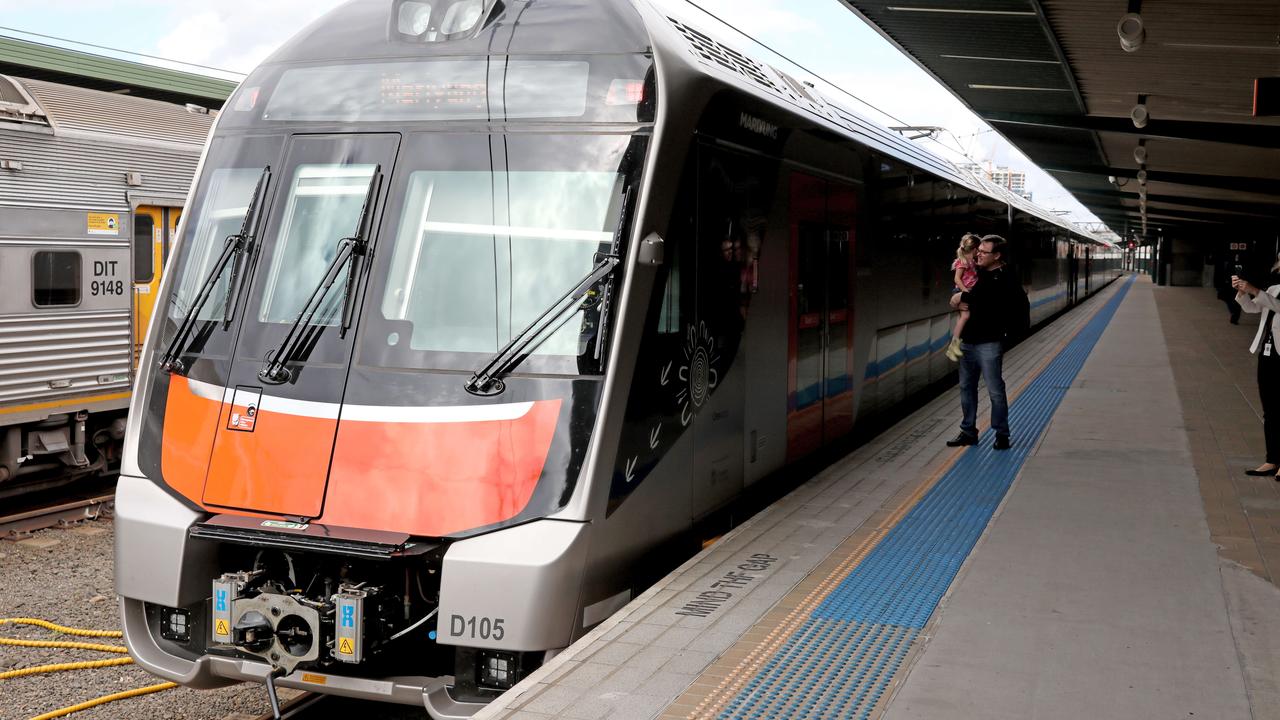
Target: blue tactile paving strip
point(840, 661)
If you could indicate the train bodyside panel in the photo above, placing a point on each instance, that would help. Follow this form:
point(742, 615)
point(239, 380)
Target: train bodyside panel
point(84, 162)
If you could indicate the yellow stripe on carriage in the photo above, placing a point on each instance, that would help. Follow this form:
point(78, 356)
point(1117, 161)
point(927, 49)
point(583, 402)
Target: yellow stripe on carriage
point(69, 402)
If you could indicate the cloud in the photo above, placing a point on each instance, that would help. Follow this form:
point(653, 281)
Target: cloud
point(237, 34)
point(756, 17)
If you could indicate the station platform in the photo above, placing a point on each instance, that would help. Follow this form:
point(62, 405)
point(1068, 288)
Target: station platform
point(1116, 563)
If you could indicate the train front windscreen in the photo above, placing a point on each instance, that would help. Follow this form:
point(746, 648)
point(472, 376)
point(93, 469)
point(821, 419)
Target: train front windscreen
point(374, 242)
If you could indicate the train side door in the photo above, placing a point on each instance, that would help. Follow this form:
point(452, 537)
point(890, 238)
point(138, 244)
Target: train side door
point(837, 394)
point(820, 344)
point(1088, 270)
point(148, 232)
point(153, 231)
point(1073, 273)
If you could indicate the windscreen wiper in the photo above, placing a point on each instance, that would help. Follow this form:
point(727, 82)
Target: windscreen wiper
point(351, 251)
point(485, 381)
point(235, 248)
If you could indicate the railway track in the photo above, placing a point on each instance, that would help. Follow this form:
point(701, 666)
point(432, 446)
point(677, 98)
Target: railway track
point(62, 512)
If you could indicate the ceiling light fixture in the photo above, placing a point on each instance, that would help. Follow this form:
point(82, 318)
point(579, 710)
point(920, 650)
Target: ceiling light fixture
point(1131, 31)
point(959, 11)
point(1142, 177)
point(1139, 114)
point(999, 59)
point(1140, 153)
point(975, 86)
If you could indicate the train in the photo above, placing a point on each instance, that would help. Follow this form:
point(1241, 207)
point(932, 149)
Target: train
point(479, 304)
point(91, 188)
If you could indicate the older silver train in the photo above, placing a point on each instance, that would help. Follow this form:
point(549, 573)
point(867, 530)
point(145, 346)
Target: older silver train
point(478, 302)
point(91, 187)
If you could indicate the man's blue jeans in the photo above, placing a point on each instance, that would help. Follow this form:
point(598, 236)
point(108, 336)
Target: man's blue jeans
point(987, 360)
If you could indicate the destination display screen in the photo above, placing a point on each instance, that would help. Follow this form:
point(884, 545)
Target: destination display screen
point(462, 89)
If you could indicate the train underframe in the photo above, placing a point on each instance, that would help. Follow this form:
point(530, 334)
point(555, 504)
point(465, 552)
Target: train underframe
point(59, 449)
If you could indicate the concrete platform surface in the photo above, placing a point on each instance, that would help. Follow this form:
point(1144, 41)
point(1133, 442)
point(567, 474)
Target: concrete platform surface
point(1096, 591)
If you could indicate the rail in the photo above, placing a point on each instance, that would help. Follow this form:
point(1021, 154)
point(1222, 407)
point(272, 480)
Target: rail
point(19, 525)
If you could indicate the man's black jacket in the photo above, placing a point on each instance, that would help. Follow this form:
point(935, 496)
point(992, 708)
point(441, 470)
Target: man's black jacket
point(995, 304)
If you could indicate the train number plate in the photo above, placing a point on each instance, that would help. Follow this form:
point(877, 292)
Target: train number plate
point(474, 628)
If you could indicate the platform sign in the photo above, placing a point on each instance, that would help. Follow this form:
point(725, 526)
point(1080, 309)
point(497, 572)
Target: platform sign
point(103, 223)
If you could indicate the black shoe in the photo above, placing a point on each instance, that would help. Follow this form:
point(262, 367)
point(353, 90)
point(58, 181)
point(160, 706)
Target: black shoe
point(1262, 473)
point(962, 440)
point(1002, 443)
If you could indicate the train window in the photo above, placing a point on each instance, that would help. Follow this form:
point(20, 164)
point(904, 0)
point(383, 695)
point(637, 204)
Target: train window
point(443, 273)
point(143, 248)
point(55, 278)
point(323, 207)
point(228, 191)
point(479, 254)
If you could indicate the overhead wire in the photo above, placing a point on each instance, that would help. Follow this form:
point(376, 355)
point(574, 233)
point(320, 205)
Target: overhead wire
point(956, 147)
point(834, 86)
point(764, 45)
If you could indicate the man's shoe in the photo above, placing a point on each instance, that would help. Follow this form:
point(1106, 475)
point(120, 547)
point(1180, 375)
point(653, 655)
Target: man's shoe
point(1002, 443)
point(962, 440)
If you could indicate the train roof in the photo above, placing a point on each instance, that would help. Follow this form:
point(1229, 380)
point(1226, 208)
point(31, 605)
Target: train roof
point(724, 61)
point(369, 29)
point(74, 111)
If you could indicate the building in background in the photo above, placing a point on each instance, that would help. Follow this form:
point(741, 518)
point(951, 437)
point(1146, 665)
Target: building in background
point(1012, 180)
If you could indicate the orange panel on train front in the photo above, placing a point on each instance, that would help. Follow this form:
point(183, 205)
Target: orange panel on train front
point(436, 471)
point(271, 454)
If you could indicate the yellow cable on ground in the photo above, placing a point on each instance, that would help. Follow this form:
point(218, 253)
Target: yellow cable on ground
point(104, 700)
point(61, 628)
point(58, 667)
point(64, 644)
point(85, 665)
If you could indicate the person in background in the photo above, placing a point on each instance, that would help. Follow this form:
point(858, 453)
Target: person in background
point(1226, 293)
point(966, 275)
point(1253, 300)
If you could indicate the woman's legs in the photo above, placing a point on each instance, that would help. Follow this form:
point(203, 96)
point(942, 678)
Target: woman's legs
point(1269, 393)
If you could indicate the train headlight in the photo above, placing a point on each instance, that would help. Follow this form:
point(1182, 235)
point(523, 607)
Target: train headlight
point(497, 670)
point(175, 624)
point(438, 20)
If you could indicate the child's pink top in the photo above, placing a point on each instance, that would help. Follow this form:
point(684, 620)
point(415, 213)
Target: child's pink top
point(969, 274)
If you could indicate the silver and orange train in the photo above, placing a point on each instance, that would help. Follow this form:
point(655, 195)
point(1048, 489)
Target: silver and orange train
point(478, 302)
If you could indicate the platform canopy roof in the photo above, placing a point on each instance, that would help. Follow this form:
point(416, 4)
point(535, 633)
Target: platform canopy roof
point(38, 61)
point(1052, 77)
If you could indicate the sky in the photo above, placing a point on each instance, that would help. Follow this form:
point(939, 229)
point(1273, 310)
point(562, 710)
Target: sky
point(821, 35)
